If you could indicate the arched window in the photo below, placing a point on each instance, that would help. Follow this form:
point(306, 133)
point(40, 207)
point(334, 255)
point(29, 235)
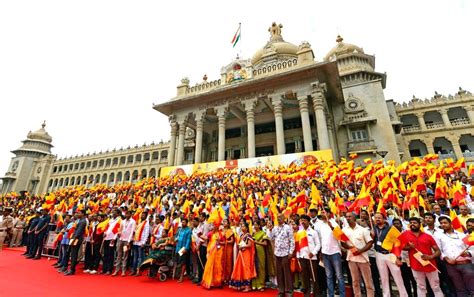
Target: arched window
point(119, 177)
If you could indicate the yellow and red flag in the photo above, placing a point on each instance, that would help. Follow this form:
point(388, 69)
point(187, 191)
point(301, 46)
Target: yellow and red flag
point(301, 240)
point(469, 239)
point(339, 234)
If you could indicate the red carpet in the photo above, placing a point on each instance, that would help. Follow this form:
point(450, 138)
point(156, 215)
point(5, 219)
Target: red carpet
point(23, 277)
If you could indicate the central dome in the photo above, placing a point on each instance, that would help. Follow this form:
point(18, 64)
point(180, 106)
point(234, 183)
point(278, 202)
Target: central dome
point(276, 46)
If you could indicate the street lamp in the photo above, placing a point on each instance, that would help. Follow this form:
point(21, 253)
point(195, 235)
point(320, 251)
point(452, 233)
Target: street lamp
point(382, 154)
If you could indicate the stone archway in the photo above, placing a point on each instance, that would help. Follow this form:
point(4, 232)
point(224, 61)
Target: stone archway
point(417, 148)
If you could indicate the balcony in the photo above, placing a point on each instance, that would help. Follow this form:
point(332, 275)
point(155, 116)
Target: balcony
point(367, 145)
point(468, 155)
point(361, 117)
point(460, 122)
point(411, 129)
point(447, 156)
point(436, 125)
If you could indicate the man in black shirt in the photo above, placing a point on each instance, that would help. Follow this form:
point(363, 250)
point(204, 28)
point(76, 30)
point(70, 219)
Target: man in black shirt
point(30, 234)
point(76, 240)
point(40, 232)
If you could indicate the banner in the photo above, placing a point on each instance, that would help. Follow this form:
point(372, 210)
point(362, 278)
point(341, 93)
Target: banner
point(267, 161)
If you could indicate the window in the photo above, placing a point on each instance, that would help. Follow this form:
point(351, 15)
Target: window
point(189, 156)
point(146, 157)
point(359, 135)
point(101, 163)
point(155, 155)
point(265, 128)
point(233, 133)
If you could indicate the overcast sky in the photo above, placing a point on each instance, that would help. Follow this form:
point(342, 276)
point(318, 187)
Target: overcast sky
point(92, 69)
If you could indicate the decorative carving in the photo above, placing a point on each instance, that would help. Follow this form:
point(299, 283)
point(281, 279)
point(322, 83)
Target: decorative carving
point(185, 81)
point(275, 32)
point(353, 105)
point(304, 45)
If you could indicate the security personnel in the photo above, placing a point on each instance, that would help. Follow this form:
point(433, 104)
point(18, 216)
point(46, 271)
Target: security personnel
point(40, 234)
point(6, 225)
point(30, 234)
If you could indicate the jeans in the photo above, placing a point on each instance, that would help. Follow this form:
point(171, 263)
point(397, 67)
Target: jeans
point(138, 254)
point(332, 264)
point(463, 278)
point(108, 260)
point(65, 253)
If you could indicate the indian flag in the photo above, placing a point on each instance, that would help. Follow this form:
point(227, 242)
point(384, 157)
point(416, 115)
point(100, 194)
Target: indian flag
point(236, 37)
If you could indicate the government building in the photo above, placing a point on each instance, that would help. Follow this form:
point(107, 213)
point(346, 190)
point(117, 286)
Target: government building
point(280, 101)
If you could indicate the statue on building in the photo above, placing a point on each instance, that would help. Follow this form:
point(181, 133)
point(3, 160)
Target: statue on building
point(275, 31)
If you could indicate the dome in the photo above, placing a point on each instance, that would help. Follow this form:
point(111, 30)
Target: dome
point(342, 49)
point(40, 134)
point(276, 46)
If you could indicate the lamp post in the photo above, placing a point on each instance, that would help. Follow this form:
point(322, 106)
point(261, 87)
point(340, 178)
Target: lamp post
point(382, 154)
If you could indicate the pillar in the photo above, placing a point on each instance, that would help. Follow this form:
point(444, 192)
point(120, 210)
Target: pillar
point(304, 112)
point(221, 113)
point(318, 105)
point(456, 147)
point(174, 130)
point(182, 134)
point(280, 134)
point(421, 120)
point(199, 126)
point(429, 146)
point(470, 113)
point(444, 115)
point(249, 109)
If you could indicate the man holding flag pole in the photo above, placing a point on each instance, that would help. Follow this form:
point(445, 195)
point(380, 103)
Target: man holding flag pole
point(307, 248)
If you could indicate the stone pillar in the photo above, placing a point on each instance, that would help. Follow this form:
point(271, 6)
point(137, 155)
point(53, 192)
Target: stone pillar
point(182, 134)
point(332, 139)
point(221, 113)
point(429, 146)
point(456, 147)
point(444, 115)
point(249, 109)
point(280, 134)
point(199, 126)
point(421, 120)
point(172, 149)
point(470, 113)
point(318, 105)
point(304, 112)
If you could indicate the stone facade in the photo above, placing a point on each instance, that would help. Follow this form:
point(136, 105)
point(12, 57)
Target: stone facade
point(282, 100)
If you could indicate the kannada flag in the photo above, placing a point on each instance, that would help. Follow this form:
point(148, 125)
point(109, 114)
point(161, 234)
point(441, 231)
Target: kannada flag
point(301, 240)
point(469, 239)
point(116, 227)
point(391, 238)
point(102, 226)
point(455, 222)
point(236, 37)
point(339, 234)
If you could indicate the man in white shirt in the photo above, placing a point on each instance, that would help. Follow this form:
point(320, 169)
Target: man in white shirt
point(127, 228)
point(109, 243)
point(358, 256)
point(458, 258)
point(307, 256)
point(331, 251)
point(139, 240)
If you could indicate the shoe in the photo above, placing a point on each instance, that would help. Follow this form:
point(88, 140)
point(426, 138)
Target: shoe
point(123, 273)
point(69, 272)
point(87, 271)
point(57, 265)
point(115, 273)
point(180, 280)
point(195, 281)
point(62, 270)
point(133, 273)
point(37, 258)
point(92, 272)
point(30, 257)
point(107, 273)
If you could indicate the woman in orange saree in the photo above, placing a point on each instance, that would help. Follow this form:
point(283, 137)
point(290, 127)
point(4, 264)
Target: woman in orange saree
point(228, 259)
point(213, 271)
point(244, 267)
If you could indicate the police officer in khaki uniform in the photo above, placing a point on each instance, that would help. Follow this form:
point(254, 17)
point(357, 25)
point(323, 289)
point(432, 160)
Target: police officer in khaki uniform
point(6, 225)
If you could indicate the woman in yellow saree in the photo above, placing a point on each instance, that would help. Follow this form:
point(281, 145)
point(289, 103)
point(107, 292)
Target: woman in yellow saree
point(244, 268)
point(228, 258)
point(263, 263)
point(213, 271)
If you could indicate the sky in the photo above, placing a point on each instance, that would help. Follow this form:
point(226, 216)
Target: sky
point(93, 69)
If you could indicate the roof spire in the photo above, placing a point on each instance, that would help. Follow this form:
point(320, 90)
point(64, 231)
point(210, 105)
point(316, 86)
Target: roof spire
point(339, 39)
point(44, 124)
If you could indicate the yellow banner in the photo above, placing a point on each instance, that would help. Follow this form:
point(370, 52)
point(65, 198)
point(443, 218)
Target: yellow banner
point(267, 161)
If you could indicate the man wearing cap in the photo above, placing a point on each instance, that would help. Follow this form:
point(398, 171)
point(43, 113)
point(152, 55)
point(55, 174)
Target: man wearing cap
point(6, 225)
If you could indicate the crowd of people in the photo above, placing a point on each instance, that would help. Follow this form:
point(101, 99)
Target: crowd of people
point(317, 227)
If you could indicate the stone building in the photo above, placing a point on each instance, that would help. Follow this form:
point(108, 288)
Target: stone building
point(280, 101)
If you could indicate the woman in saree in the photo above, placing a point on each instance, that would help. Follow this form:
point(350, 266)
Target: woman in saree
point(213, 275)
point(261, 244)
point(228, 257)
point(244, 267)
point(160, 251)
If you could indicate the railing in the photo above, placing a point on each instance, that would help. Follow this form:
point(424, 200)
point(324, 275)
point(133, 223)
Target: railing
point(468, 154)
point(460, 122)
point(361, 144)
point(447, 156)
point(435, 125)
point(413, 128)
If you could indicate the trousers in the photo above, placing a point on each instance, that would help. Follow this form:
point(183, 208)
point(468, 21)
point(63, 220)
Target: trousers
point(357, 269)
point(384, 264)
point(283, 272)
point(309, 276)
point(433, 279)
